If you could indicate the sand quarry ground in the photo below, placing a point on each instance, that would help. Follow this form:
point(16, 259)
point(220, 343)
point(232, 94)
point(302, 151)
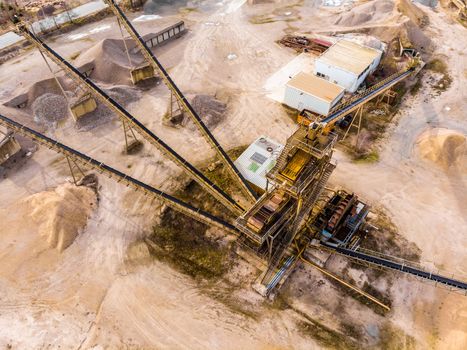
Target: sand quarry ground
point(72, 277)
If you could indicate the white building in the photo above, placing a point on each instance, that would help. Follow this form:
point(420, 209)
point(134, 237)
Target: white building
point(257, 160)
point(347, 64)
point(307, 91)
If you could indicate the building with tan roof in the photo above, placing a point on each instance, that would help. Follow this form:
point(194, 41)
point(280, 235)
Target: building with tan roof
point(347, 64)
point(307, 91)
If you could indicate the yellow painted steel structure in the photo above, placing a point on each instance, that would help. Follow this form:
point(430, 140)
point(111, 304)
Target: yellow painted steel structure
point(83, 106)
point(296, 164)
point(142, 73)
point(8, 147)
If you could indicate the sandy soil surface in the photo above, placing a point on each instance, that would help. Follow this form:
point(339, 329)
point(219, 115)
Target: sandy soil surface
point(96, 294)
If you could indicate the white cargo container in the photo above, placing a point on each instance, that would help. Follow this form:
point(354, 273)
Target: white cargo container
point(347, 64)
point(306, 91)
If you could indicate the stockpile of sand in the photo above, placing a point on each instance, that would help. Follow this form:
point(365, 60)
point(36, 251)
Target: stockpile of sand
point(62, 214)
point(373, 11)
point(387, 21)
point(49, 108)
point(34, 91)
point(407, 8)
point(445, 148)
point(42, 87)
point(211, 110)
point(110, 61)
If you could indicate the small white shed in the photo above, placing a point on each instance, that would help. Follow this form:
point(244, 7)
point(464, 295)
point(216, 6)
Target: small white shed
point(306, 91)
point(257, 160)
point(347, 64)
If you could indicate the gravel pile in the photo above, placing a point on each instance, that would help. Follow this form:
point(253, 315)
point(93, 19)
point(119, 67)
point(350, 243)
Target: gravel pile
point(49, 108)
point(211, 110)
point(124, 95)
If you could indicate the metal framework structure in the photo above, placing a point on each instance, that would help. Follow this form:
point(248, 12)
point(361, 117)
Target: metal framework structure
point(132, 122)
point(314, 144)
point(374, 259)
point(298, 178)
point(181, 100)
point(76, 158)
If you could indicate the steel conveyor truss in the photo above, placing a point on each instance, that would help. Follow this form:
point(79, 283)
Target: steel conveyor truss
point(372, 259)
point(129, 119)
point(86, 161)
point(152, 59)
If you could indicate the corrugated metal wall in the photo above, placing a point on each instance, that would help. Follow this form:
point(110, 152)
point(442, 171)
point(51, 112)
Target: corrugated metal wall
point(299, 100)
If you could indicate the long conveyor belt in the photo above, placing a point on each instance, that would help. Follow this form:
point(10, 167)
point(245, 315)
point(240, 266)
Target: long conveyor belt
point(152, 59)
point(378, 261)
point(169, 200)
point(349, 106)
point(199, 177)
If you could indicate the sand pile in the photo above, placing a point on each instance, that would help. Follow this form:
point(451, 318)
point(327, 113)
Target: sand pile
point(211, 110)
point(49, 108)
point(36, 90)
point(110, 61)
point(394, 20)
point(42, 87)
point(407, 8)
point(445, 148)
point(62, 214)
point(374, 11)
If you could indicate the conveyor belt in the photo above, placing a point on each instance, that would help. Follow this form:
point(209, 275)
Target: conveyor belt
point(357, 101)
point(169, 200)
point(152, 59)
point(199, 177)
point(377, 261)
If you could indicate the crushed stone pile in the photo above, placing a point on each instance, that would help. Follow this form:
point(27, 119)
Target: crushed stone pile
point(445, 148)
point(122, 94)
point(63, 213)
point(110, 61)
point(49, 108)
point(374, 11)
point(211, 110)
point(43, 87)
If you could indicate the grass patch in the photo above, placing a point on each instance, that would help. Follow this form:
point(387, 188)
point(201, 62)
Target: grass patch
point(415, 89)
point(314, 329)
point(358, 297)
point(185, 246)
point(351, 330)
point(218, 173)
point(370, 157)
point(387, 240)
point(392, 338)
point(225, 296)
point(324, 335)
point(439, 66)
